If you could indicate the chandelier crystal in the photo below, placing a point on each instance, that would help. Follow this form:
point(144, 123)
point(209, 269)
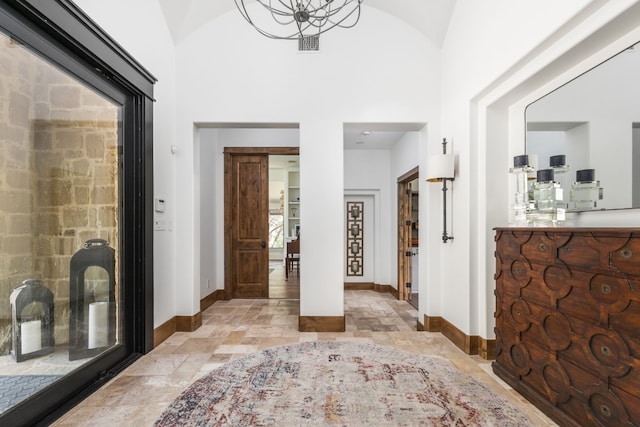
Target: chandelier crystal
point(296, 19)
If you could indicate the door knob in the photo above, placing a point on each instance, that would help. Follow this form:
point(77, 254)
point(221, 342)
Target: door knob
point(264, 245)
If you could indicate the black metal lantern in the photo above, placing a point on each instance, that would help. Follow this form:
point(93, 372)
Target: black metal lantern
point(92, 305)
point(32, 320)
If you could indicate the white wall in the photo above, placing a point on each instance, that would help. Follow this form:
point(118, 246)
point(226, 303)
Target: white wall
point(636, 167)
point(367, 172)
point(499, 55)
point(210, 178)
point(153, 48)
point(485, 111)
point(484, 43)
point(406, 155)
point(211, 143)
point(257, 80)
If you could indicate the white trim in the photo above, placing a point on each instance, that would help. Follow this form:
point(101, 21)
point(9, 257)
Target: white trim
point(501, 107)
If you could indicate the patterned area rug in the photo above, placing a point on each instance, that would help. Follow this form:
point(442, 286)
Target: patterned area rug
point(339, 383)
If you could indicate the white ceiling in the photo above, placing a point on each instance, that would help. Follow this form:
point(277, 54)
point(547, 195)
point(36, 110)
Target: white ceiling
point(376, 136)
point(430, 17)
point(284, 162)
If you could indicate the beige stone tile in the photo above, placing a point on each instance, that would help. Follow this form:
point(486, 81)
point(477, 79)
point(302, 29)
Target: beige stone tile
point(199, 345)
point(235, 328)
point(234, 337)
point(290, 320)
point(156, 364)
point(236, 349)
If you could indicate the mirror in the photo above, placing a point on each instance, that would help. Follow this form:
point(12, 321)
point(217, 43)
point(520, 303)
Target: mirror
point(594, 120)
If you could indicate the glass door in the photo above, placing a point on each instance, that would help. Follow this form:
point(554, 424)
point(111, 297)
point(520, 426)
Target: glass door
point(60, 181)
point(75, 192)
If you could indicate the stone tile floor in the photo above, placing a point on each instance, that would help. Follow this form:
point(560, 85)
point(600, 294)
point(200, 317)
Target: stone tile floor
point(233, 328)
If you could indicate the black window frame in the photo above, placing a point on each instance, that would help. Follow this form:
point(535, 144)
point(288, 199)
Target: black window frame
point(63, 34)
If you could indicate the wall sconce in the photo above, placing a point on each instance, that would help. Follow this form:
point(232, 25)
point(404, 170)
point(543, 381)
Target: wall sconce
point(441, 168)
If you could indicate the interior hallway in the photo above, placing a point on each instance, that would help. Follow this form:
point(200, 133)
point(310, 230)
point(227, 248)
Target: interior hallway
point(231, 329)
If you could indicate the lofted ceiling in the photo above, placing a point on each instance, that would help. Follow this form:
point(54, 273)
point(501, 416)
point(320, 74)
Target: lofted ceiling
point(430, 17)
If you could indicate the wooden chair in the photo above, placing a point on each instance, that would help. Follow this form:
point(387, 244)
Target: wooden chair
point(293, 257)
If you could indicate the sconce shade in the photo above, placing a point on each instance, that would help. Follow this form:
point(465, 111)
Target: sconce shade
point(439, 167)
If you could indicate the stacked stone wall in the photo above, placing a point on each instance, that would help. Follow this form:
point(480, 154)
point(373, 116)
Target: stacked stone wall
point(58, 178)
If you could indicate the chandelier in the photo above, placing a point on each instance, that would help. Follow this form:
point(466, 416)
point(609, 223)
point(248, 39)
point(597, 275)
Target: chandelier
point(299, 19)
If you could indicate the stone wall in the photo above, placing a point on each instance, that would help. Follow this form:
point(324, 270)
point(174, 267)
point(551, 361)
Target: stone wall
point(58, 178)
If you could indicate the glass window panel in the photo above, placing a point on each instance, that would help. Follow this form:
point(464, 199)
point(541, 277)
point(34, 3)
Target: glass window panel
point(276, 228)
point(60, 169)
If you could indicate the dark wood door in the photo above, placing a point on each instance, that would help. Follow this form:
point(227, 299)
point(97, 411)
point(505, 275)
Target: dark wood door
point(405, 234)
point(249, 211)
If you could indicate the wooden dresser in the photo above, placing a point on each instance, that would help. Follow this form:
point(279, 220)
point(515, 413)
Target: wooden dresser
point(568, 321)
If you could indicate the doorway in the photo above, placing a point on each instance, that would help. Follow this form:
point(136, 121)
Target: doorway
point(408, 243)
point(246, 220)
point(284, 225)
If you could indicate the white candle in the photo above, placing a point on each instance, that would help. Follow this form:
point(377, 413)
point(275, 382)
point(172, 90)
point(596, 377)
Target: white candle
point(98, 324)
point(31, 333)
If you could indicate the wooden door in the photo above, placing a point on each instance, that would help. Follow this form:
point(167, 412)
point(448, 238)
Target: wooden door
point(247, 204)
point(405, 242)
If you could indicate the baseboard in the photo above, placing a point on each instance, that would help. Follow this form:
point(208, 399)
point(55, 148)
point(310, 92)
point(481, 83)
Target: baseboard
point(432, 323)
point(487, 349)
point(466, 343)
point(188, 323)
point(176, 324)
point(470, 344)
point(164, 331)
point(370, 286)
point(209, 300)
point(321, 324)
point(358, 286)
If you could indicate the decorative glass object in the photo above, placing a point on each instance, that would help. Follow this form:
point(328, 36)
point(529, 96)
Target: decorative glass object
point(521, 203)
point(546, 195)
point(560, 167)
point(586, 191)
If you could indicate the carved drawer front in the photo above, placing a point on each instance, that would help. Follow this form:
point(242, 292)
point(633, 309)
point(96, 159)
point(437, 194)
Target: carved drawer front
point(584, 252)
point(593, 402)
point(548, 284)
point(516, 274)
point(627, 259)
point(568, 322)
point(508, 243)
point(539, 249)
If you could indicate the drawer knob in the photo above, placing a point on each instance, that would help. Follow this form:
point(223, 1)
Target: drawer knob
point(605, 289)
point(605, 350)
point(626, 253)
point(604, 410)
point(542, 247)
point(568, 249)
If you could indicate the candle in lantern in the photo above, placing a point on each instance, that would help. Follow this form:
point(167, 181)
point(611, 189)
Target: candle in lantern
point(98, 324)
point(31, 336)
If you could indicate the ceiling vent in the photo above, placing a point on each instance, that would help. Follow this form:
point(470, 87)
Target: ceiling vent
point(309, 44)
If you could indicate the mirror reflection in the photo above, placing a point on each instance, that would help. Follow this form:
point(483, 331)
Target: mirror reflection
point(594, 121)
